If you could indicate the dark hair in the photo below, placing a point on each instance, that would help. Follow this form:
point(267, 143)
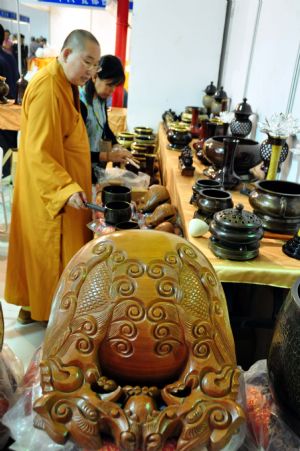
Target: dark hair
point(7, 31)
point(110, 69)
point(1, 35)
point(77, 39)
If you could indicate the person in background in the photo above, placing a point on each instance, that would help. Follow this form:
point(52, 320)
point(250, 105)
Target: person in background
point(8, 67)
point(7, 43)
point(53, 179)
point(24, 53)
point(34, 45)
point(94, 96)
point(9, 70)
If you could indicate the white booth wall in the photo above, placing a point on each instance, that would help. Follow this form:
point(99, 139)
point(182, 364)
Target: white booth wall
point(274, 55)
point(175, 53)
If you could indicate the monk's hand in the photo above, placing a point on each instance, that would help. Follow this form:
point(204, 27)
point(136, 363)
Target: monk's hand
point(119, 154)
point(77, 200)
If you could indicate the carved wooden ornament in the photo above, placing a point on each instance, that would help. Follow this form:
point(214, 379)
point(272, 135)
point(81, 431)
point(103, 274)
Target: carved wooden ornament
point(156, 195)
point(139, 347)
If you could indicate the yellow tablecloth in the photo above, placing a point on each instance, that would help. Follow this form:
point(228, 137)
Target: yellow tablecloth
point(271, 267)
point(10, 117)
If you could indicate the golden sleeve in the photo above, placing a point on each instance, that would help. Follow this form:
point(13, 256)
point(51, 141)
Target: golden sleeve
point(44, 146)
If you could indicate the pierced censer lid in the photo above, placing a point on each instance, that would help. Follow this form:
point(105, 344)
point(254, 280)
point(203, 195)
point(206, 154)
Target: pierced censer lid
point(235, 234)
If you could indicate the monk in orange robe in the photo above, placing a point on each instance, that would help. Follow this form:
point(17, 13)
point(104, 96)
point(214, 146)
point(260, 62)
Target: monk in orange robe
point(53, 179)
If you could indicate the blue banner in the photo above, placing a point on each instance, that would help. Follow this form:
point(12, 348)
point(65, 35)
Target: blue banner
point(13, 16)
point(90, 3)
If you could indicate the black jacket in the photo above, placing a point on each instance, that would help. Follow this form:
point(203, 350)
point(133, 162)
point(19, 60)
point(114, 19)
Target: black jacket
point(9, 69)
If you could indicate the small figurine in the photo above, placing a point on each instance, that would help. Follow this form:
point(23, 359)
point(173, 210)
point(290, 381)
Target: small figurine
point(186, 162)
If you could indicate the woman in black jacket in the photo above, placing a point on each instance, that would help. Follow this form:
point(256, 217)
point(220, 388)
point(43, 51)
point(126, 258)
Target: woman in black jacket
point(94, 96)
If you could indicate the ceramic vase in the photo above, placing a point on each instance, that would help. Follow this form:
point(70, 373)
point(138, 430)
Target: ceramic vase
point(20, 91)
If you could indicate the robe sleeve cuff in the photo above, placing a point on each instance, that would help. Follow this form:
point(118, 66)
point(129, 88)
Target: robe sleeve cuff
point(59, 200)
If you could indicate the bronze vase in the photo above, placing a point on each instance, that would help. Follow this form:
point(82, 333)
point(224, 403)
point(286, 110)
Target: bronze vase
point(21, 86)
point(227, 176)
point(284, 358)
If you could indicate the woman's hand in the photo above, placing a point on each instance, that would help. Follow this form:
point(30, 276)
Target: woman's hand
point(119, 154)
point(77, 200)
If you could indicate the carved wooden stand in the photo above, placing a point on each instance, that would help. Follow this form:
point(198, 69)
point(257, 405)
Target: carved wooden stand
point(139, 347)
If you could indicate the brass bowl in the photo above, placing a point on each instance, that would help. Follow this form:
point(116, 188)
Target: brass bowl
point(143, 147)
point(211, 200)
point(125, 139)
point(143, 130)
point(277, 204)
point(144, 139)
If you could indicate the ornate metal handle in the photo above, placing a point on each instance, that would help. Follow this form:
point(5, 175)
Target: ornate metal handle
point(283, 205)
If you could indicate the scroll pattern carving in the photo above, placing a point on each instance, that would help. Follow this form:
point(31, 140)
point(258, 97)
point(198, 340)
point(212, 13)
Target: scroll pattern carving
point(146, 349)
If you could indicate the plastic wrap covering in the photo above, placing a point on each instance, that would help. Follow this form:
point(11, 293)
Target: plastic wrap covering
point(11, 374)
point(267, 429)
point(116, 175)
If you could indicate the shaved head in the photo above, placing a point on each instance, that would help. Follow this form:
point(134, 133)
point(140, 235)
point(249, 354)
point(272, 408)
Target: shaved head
point(79, 56)
point(77, 40)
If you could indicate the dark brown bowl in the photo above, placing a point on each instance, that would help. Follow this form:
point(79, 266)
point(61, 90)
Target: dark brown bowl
point(202, 184)
point(212, 200)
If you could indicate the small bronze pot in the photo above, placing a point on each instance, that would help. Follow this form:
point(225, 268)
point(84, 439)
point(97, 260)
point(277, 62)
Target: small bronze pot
point(115, 193)
point(203, 184)
point(125, 139)
point(235, 234)
point(277, 203)
point(178, 137)
point(212, 200)
point(146, 131)
point(143, 147)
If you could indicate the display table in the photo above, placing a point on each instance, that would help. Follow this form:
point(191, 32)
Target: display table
point(271, 267)
point(10, 117)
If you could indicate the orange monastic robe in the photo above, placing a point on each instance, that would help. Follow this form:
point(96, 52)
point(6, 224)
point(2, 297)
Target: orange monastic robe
point(53, 163)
